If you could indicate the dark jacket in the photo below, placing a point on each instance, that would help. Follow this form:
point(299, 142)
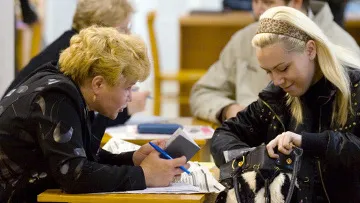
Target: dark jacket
point(52, 53)
point(47, 142)
point(331, 154)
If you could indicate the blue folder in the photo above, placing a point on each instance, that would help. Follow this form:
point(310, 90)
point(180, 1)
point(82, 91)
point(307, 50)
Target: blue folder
point(158, 128)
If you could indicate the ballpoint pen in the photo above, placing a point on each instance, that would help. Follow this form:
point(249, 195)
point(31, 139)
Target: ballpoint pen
point(167, 156)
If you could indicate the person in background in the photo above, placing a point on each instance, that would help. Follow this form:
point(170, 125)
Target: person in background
point(337, 8)
point(235, 80)
point(230, 5)
point(312, 102)
point(109, 13)
point(47, 141)
point(29, 16)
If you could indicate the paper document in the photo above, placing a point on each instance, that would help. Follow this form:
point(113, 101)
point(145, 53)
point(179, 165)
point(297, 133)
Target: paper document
point(201, 178)
point(117, 146)
point(200, 181)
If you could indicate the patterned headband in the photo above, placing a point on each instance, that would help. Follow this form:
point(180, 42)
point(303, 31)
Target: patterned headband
point(269, 25)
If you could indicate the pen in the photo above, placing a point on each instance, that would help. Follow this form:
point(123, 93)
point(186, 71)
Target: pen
point(161, 151)
point(136, 88)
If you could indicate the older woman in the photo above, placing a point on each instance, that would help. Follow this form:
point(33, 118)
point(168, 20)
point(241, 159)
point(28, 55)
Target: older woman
point(109, 13)
point(45, 123)
point(312, 103)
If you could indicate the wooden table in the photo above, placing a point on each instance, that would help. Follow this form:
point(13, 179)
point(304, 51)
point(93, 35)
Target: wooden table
point(55, 195)
point(202, 155)
point(203, 37)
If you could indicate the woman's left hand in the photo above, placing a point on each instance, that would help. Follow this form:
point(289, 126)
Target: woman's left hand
point(285, 142)
point(145, 150)
point(138, 102)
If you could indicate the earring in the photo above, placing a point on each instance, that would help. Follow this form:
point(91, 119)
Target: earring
point(94, 98)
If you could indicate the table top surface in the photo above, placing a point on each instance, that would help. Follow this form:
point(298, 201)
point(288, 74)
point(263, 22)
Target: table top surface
point(56, 195)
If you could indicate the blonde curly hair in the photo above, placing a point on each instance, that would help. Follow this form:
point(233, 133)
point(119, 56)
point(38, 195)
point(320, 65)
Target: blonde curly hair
point(106, 52)
point(108, 13)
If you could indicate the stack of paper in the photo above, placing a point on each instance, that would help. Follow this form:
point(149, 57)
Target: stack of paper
point(117, 146)
point(199, 181)
point(201, 178)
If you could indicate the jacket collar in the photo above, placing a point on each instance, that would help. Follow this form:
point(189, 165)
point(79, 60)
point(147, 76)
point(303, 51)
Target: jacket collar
point(321, 92)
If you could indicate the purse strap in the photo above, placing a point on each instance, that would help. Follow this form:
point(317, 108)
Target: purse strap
point(298, 153)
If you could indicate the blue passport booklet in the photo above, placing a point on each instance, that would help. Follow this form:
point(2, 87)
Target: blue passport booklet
point(180, 144)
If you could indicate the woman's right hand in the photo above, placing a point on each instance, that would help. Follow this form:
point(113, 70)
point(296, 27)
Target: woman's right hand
point(160, 172)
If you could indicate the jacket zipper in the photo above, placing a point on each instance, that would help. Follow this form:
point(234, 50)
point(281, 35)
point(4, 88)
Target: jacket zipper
point(319, 164)
point(276, 116)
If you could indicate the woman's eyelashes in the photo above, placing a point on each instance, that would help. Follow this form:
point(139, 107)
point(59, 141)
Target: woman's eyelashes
point(279, 69)
point(284, 69)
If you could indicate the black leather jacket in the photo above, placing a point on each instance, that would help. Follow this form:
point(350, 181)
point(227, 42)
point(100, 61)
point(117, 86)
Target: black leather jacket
point(331, 159)
point(46, 142)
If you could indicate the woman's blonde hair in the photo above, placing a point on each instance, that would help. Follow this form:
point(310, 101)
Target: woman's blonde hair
point(108, 13)
point(106, 52)
point(331, 59)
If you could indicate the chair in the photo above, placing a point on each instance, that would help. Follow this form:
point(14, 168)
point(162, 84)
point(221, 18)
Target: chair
point(28, 43)
point(182, 76)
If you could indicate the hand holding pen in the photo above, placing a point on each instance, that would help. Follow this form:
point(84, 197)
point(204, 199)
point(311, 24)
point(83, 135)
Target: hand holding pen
point(160, 172)
point(167, 156)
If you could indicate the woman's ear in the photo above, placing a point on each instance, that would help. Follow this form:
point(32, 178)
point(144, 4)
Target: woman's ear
point(97, 84)
point(311, 49)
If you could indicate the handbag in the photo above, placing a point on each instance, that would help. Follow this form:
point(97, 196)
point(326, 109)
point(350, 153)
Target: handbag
point(255, 177)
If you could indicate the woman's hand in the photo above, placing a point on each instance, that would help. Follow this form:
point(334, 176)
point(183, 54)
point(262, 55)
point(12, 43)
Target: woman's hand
point(138, 102)
point(145, 150)
point(285, 142)
point(160, 172)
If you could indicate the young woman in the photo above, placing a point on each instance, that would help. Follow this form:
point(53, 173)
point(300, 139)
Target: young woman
point(312, 103)
point(45, 123)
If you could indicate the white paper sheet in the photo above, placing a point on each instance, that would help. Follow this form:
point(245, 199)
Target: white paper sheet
point(200, 181)
point(117, 146)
